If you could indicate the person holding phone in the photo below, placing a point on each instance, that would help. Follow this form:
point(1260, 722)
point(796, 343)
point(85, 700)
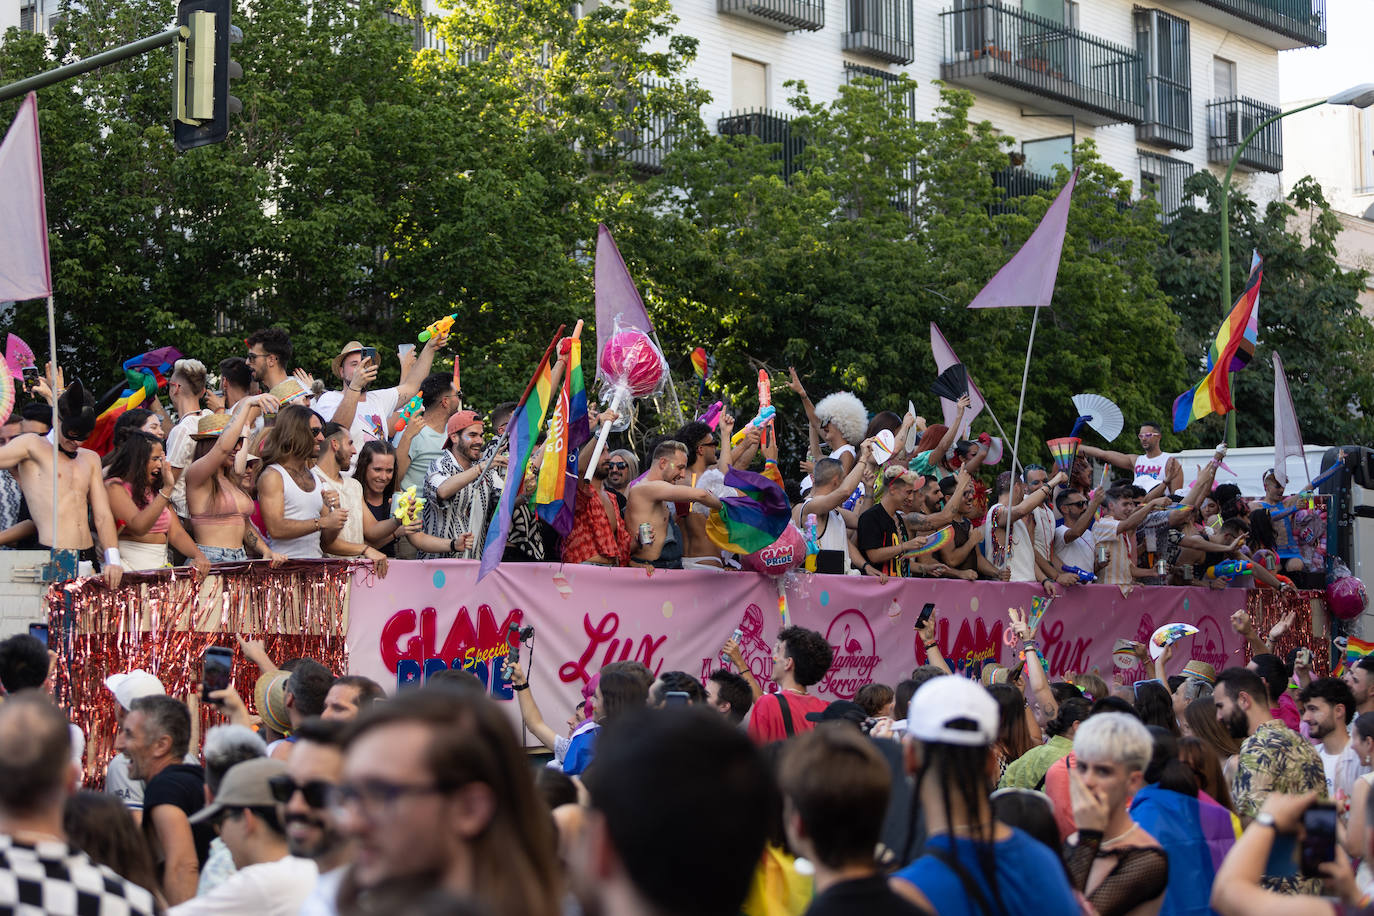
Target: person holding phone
point(366, 413)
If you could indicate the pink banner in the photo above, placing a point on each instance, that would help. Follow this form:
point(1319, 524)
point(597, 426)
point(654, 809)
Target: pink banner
point(427, 616)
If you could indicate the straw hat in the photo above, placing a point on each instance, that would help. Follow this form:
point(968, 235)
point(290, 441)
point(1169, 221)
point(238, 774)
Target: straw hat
point(211, 425)
point(288, 391)
point(352, 346)
point(269, 695)
point(1200, 670)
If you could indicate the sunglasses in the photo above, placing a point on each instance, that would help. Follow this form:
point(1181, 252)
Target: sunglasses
point(1074, 504)
point(617, 465)
point(316, 791)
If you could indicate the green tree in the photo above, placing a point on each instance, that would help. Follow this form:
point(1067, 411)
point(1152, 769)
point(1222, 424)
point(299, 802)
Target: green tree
point(1308, 312)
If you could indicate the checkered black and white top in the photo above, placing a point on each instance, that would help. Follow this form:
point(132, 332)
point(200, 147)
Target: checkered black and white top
point(57, 879)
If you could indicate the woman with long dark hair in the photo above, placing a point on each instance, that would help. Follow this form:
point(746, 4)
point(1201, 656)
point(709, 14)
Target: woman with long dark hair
point(295, 511)
point(1013, 732)
point(100, 826)
point(1201, 716)
point(138, 483)
point(1155, 706)
point(971, 864)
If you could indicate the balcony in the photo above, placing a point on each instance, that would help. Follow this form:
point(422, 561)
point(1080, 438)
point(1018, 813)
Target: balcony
point(1279, 24)
point(787, 15)
point(882, 29)
point(768, 127)
point(1162, 178)
point(1037, 62)
point(645, 145)
point(422, 38)
point(1229, 120)
point(1016, 182)
point(1168, 114)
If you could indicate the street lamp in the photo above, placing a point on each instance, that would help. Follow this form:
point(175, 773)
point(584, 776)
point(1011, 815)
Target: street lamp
point(1361, 96)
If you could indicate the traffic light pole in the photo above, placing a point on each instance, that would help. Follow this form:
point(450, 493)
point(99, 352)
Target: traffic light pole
point(85, 65)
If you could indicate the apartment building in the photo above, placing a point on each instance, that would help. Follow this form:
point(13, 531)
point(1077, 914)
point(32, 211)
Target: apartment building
point(1164, 87)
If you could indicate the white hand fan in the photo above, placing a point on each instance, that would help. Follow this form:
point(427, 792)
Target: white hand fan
point(884, 444)
point(913, 435)
point(994, 452)
point(1105, 416)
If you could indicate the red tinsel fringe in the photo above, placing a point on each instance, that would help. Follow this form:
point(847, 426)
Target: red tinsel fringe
point(1267, 607)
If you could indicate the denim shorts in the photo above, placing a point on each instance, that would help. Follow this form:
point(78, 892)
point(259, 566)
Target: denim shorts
point(224, 554)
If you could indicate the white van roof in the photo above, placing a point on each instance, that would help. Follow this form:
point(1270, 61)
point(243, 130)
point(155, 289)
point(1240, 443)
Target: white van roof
point(1247, 467)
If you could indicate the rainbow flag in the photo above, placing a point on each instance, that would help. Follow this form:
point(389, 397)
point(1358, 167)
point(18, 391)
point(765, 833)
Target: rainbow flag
point(1356, 649)
point(1064, 451)
point(142, 388)
point(523, 430)
point(568, 432)
point(939, 539)
point(1232, 351)
point(752, 520)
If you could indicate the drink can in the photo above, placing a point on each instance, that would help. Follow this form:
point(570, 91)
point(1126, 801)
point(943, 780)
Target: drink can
point(646, 534)
point(1102, 553)
point(1161, 567)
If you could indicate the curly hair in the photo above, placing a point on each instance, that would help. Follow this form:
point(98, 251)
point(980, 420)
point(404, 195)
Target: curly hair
point(846, 412)
point(810, 653)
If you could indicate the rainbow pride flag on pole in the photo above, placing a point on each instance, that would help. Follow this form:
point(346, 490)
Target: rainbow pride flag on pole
point(523, 430)
point(1232, 351)
point(752, 520)
point(568, 432)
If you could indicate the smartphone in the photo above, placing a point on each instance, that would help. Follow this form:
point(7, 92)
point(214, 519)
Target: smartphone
point(30, 377)
point(403, 349)
point(924, 617)
point(218, 662)
point(370, 353)
point(675, 698)
point(39, 631)
point(1319, 838)
point(1283, 857)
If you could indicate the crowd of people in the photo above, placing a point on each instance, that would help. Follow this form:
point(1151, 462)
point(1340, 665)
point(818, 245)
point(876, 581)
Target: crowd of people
point(1237, 792)
point(260, 461)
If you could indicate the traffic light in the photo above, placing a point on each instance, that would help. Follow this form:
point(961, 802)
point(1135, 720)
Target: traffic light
point(201, 103)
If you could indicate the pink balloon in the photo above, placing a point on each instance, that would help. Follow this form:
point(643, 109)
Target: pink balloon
point(631, 357)
point(787, 552)
point(1346, 598)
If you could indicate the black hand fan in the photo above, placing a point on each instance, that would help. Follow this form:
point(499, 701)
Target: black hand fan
point(952, 384)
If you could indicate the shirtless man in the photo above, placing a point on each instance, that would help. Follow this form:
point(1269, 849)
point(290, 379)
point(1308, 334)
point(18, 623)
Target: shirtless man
point(1150, 468)
point(80, 486)
point(649, 502)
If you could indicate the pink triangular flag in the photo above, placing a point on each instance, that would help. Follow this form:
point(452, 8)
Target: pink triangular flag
point(24, 272)
point(18, 355)
point(616, 295)
point(1028, 278)
point(1287, 435)
point(944, 358)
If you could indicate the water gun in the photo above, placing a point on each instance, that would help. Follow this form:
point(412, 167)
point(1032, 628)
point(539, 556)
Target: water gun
point(439, 328)
point(408, 412)
point(813, 547)
point(1231, 569)
point(766, 404)
point(407, 506)
point(1084, 577)
point(712, 416)
point(765, 417)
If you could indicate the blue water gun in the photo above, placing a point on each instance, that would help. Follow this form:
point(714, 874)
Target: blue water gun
point(1084, 577)
point(1231, 569)
point(408, 412)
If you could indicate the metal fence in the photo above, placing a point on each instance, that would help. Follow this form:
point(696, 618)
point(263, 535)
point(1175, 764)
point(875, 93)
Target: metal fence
point(1005, 45)
point(788, 15)
point(1302, 20)
point(769, 127)
point(1016, 182)
point(1162, 178)
point(1229, 120)
point(881, 28)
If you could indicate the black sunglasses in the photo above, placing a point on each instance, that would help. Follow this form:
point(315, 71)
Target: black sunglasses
point(1075, 505)
point(316, 791)
point(617, 465)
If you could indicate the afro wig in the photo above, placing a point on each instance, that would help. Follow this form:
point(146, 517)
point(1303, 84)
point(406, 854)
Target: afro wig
point(848, 414)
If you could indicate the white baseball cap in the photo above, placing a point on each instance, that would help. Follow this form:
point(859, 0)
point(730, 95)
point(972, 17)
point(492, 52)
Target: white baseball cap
point(132, 686)
point(948, 699)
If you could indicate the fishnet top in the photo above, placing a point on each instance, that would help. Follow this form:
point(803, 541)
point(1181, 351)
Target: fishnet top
point(1141, 873)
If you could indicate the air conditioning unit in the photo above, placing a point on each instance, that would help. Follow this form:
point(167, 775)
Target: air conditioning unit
point(1238, 124)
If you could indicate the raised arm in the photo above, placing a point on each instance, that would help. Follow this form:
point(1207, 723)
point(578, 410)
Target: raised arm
point(814, 424)
point(1116, 459)
point(413, 376)
point(1038, 684)
point(822, 505)
point(365, 375)
point(952, 433)
point(1078, 528)
point(206, 466)
point(529, 710)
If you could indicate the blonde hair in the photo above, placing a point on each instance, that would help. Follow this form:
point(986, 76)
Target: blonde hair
point(192, 372)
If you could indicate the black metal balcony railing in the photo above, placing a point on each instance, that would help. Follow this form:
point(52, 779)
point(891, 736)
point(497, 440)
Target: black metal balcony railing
point(1016, 182)
point(1168, 114)
point(646, 144)
point(1162, 178)
point(423, 39)
point(769, 127)
point(1303, 21)
point(883, 29)
point(1032, 59)
point(1229, 120)
point(788, 15)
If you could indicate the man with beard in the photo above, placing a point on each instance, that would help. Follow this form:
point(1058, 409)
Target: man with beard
point(459, 498)
point(1273, 758)
point(81, 490)
point(623, 468)
point(650, 504)
point(302, 795)
point(1360, 678)
point(269, 353)
point(1328, 709)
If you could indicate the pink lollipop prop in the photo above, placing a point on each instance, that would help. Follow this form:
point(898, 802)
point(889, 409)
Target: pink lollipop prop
point(632, 366)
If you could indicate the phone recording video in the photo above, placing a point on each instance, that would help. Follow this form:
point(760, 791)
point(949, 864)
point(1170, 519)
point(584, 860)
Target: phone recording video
point(39, 631)
point(370, 353)
point(1319, 838)
point(217, 665)
point(924, 617)
point(30, 377)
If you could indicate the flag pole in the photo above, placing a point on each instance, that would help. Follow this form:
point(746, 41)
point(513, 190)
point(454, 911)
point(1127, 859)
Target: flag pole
point(1016, 442)
point(505, 436)
point(56, 427)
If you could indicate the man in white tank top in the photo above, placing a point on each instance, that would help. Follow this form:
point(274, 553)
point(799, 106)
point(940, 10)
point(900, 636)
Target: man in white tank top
point(1152, 467)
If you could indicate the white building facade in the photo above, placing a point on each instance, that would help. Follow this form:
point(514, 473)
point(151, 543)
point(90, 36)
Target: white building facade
point(1164, 88)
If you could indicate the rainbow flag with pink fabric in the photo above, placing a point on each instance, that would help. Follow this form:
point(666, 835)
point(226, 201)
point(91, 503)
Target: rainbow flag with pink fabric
point(1232, 351)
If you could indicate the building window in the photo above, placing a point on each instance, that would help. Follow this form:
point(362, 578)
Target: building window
point(890, 80)
point(1041, 156)
point(748, 84)
point(1223, 78)
point(1162, 178)
point(28, 18)
point(1162, 41)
